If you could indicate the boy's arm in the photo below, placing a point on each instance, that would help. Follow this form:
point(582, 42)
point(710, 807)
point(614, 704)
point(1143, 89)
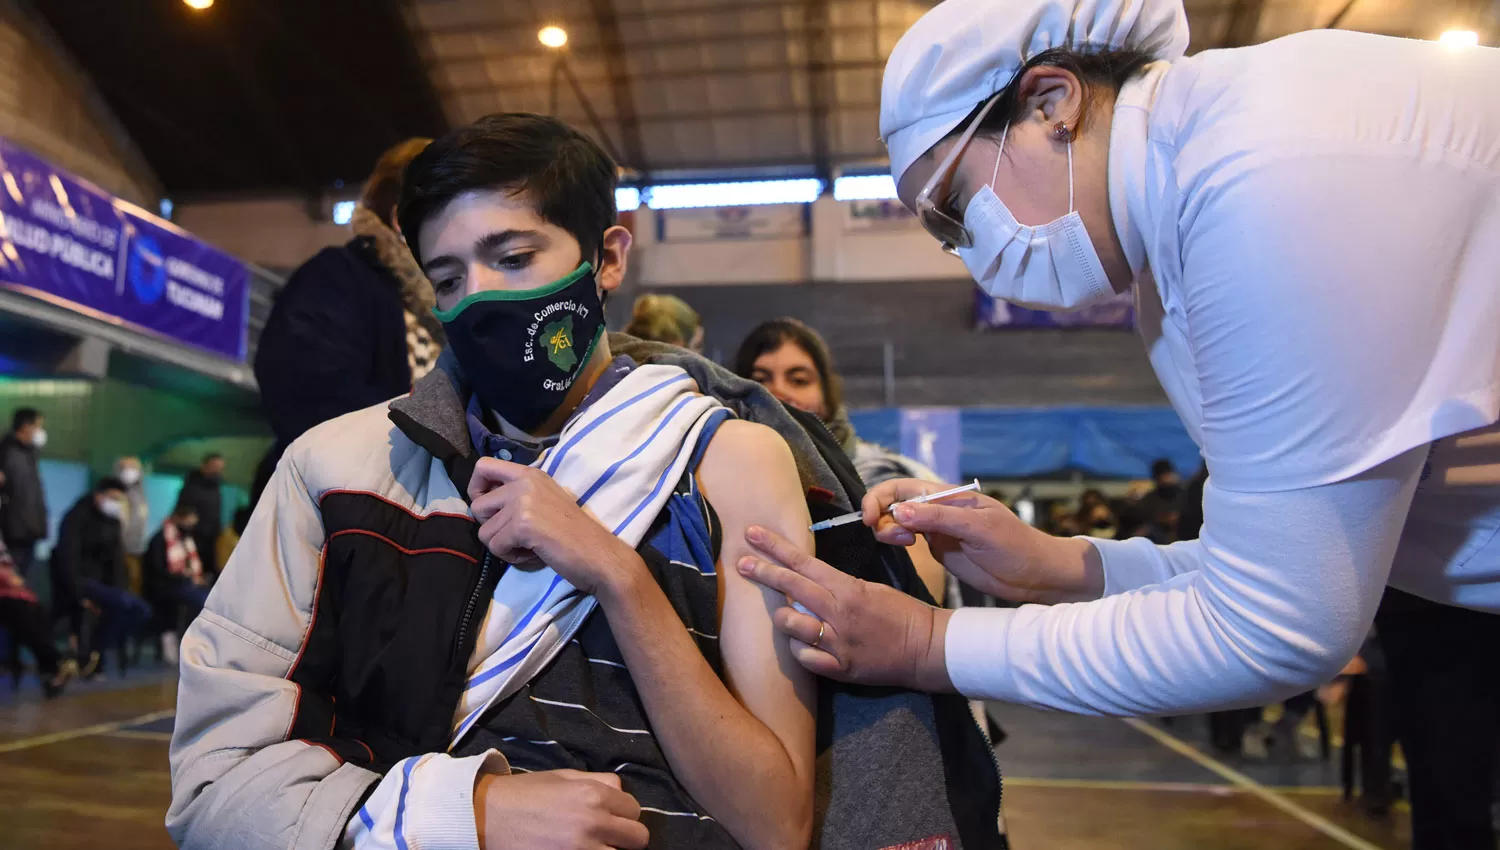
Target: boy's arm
point(748, 761)
point(750, 478)
point(746, 752)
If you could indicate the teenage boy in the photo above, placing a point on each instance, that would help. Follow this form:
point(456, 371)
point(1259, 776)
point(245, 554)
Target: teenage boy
point(503, 612)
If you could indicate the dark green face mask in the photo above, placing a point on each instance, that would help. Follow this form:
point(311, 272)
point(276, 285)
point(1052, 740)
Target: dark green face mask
point(522, 350)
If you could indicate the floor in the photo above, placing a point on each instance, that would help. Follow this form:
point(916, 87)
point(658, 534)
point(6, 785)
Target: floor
point(90, 770)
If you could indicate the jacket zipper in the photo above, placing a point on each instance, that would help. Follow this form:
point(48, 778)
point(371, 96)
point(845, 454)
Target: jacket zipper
point(995, 760)
point(463, 625)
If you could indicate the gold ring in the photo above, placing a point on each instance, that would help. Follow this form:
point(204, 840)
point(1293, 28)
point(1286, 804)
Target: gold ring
point(819, 639)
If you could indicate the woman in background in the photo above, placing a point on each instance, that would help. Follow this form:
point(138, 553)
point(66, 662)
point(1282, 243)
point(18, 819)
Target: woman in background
point(666, 318)
point(792, 361)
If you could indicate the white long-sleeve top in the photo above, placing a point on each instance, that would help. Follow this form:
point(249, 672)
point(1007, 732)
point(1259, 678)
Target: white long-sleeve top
point(1314, 226)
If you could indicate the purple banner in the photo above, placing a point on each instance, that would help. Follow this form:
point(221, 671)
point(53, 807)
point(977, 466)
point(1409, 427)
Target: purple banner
point(994, 314)
point(65, 241)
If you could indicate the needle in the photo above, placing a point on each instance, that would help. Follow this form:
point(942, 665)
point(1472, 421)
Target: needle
point(856, 516)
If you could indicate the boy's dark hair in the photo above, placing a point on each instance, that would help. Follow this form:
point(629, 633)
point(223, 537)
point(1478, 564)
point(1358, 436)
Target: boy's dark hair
point(771, 335)
point(183, 510)
point(211, 456)
point(109, 482)
point(1162, 466)
point(567, 177)
point(23, 417)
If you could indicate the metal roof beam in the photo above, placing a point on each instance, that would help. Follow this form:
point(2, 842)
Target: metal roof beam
point(786, 111)
point(697, 73)
point(785, 33)
point(731, 7)
point(817, 46)
point(623, 94)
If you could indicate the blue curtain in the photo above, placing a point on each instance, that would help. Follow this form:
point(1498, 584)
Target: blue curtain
point(1110, 442)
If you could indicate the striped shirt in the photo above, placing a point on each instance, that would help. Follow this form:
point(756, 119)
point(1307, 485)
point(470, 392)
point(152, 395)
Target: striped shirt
point(582, 712)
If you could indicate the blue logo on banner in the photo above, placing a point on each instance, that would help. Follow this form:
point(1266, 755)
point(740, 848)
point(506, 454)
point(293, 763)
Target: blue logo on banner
point(147, 271)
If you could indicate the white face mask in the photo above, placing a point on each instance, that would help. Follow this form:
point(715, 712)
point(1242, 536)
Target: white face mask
point(39, 438)
point(111, 508)
point(130, 476)
point(1051, 267)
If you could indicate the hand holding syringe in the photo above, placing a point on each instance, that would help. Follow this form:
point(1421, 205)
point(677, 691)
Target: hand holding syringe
point(858, 516)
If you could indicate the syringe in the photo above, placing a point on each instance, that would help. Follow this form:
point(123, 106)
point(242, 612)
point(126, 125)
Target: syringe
point(859, 515)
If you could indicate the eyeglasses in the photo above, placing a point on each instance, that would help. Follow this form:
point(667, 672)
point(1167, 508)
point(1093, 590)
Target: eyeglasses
point(948, 231)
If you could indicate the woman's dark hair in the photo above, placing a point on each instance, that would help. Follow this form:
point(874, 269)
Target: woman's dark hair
point(108, 483)
point(567, 177)
point(185, 509)
point(769, 336)
point(1096, 69)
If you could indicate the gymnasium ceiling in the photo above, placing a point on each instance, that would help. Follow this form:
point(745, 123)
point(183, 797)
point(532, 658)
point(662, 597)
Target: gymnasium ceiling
point(254, 96)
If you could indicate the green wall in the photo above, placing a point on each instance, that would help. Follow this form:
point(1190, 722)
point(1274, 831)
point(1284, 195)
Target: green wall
point(95, 422)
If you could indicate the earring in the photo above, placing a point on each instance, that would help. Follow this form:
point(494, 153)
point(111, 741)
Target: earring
point(1061, 132)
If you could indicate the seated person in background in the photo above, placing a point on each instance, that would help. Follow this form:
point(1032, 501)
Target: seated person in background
point(88, 572)
point(506, 605)
point(666, 318)
point(29, 626)
point(792, 361)
point(174, 573)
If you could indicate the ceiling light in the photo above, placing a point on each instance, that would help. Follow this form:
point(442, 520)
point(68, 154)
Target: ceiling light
point(627, 198)
point(200, 5)
point(685, 195)
point(1459, 38)
point(864, 187)
point(553, 37)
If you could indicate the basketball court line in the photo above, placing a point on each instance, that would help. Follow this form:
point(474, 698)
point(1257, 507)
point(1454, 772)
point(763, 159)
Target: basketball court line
point(84, 732)
point(1234, 777)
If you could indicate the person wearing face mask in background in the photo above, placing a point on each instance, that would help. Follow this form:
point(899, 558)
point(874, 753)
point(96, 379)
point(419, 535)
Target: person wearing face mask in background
point(88, 573)
point(23, 501)
point(203, 490)
point(134, 530)
point(1311, 231)
point(174, 575)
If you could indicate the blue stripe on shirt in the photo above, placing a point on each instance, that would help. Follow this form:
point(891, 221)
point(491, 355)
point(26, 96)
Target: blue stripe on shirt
point(406, 770)
point(562, 449)
point(615, 467)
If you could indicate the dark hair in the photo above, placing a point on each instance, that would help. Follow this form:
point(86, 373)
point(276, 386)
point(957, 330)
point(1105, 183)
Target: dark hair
point(769, 336)
point(24, 417)
point(567, 177)
point(185, 509)
point(1161, 467)
point(1095, 69)
point(109, 482)
point(383, 189)
point(212, 456)
point(663, 318)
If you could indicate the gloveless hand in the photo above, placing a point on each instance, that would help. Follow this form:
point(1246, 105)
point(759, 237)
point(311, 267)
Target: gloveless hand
point(985, 545)
point(556, 810)
point(861, 632)
point(529, 520)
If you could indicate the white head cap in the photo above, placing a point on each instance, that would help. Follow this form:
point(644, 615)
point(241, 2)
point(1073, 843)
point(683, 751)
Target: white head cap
point(964, 51)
